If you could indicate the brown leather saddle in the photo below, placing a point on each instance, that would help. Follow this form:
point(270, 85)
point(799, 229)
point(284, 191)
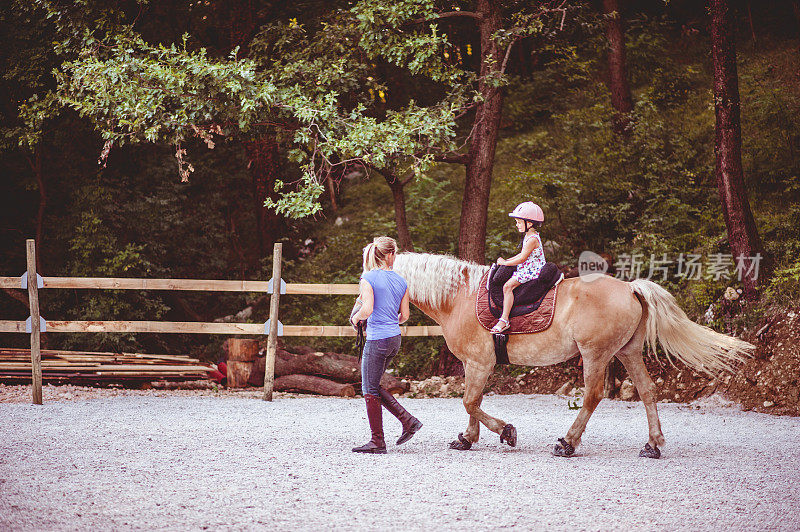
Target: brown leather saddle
point(534, 301)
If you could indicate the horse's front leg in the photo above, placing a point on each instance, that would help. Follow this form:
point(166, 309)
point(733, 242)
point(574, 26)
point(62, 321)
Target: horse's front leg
point(473, 432)
point(475, 377)
point(469, 436)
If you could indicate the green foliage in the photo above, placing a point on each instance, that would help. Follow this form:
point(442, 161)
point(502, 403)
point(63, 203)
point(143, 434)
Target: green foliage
point(134, 91)
point(784, 285)
point(314, 82)
point(96, 251)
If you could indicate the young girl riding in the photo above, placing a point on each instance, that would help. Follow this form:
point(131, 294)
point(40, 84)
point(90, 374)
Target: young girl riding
point(529, 261)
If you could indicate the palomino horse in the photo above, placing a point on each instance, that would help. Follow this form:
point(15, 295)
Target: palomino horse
point(599, 320)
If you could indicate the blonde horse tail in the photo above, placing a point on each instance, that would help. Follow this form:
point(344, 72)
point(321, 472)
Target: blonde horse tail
point(698, 347)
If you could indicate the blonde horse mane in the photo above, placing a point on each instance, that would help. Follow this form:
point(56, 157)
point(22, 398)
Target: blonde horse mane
point(434, 280)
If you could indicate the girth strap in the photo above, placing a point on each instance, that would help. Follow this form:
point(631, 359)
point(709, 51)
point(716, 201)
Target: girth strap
point(500, 351)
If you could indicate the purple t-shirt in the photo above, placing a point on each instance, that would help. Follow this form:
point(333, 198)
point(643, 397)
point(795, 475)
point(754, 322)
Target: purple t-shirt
point(388, 288)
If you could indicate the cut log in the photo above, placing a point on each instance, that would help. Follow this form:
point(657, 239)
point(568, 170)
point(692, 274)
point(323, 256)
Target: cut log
point(394, 385)
point(338, 367)
point(240, 349)
point(312, 384)
point(299, 349)
point(332, 366)
point(239, 373)
point(389, 383)
point(341, 368)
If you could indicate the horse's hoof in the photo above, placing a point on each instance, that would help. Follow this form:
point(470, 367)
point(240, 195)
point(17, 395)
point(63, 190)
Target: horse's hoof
point(509, 435)
point(461, 444)
point(650, 452)
point(563, 448)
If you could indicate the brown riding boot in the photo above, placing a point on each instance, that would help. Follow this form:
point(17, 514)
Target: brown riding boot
point(375, 416)
point(410, 424)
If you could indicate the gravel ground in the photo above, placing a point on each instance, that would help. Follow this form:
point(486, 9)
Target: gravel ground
point(239, 463)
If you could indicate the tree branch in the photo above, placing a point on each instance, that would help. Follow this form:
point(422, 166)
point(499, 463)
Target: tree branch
point(508, 53)
point(455, 158)
point(449, 14)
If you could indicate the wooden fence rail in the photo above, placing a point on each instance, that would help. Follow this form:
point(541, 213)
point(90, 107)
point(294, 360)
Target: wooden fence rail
point(194, 327)
point(32, 282)
point(206, 285)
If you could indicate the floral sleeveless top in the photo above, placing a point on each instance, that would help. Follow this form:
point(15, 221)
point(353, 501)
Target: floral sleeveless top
point(530, 269)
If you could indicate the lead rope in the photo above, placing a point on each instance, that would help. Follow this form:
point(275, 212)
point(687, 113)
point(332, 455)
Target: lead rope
point(360, 339)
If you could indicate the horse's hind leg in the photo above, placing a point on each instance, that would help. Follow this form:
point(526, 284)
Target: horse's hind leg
point(475, 381)
point(593, 377)
point(631, 358)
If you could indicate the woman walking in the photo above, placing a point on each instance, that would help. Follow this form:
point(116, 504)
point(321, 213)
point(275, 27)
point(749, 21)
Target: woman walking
point(385, 305)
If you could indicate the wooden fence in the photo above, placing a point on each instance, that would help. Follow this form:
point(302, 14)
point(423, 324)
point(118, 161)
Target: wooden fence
point(36, 325)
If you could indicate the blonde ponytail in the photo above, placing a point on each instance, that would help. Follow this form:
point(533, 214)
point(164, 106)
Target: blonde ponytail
point(377, 252)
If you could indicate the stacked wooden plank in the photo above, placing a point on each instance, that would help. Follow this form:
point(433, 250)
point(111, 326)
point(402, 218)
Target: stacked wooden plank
point(80, 367)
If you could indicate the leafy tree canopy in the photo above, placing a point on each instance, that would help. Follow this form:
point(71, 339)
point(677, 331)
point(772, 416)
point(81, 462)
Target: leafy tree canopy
point(314, 84)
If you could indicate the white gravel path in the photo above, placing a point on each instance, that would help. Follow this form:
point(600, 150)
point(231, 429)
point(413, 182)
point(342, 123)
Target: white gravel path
point(191, 463)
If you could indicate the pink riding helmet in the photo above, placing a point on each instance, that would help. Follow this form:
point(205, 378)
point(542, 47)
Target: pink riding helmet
point(528, 211)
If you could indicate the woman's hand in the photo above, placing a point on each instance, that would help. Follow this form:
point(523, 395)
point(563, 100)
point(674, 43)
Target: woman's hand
point(501, 261)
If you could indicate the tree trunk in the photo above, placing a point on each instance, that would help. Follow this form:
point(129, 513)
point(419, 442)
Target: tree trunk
point(237, 21)
point(752, 27)
point(618, 67)
point(742, 233)
point(475, 204)
point(35, 162)
point(480, 161)
point(264, 161)
point(403, 232)
point(332, 193)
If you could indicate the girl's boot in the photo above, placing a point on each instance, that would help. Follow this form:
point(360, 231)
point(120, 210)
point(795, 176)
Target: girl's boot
point(410, 424)
point(375, 416)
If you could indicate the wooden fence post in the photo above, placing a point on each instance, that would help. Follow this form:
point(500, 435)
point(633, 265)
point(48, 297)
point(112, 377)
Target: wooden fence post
point(272, 340)
point(33, 298)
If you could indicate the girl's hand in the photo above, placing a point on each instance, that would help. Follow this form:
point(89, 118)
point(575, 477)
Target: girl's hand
point(501, 261)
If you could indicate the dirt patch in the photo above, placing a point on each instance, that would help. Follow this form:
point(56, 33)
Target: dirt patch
point(770, 381)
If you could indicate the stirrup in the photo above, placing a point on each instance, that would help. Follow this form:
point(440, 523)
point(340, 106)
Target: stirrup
point(497, 329)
